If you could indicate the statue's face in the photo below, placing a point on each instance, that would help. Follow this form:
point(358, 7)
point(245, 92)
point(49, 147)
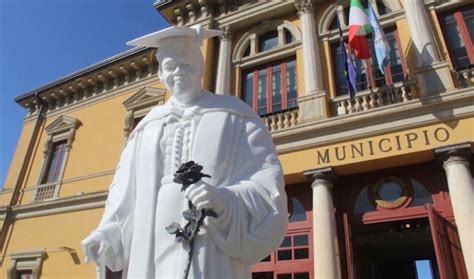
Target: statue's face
point(181, 71)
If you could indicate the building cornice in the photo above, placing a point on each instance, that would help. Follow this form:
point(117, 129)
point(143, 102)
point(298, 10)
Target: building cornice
point(98, 98)
point(99, 79)
point(81, 72)
point(253, 13)
point(57, 206)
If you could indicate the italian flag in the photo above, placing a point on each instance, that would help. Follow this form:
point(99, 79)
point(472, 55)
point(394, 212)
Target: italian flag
point(359, 26)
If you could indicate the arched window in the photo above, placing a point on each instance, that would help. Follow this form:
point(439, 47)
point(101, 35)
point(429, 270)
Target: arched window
point(266, 56)
point(362, 204)
point(380, 9)
point(421, 195)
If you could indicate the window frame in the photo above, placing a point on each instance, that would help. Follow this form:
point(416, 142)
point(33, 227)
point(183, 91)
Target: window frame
point(463, 33)
point(61, 130)
point(62, 146)
point(268, 36)
point(268, 67)
point(139, 104)
point(31, 260)
point(245, 54)
point(293, 266)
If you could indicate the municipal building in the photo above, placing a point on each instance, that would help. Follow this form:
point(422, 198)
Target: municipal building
point(379, 186)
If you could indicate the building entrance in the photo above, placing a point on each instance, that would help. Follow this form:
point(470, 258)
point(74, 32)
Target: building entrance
point(398, 223)
point(402, 249)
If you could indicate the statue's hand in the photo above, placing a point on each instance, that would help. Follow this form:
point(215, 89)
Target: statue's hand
point(95, 246)
point(206, 196)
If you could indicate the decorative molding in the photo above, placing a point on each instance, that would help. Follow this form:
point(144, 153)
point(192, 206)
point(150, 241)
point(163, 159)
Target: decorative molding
point(204, 5)
point(321, 177)
point(187, 13)
point(145, 98)
point(64, 125)
point(140, 104)
point(268, 56)
point(66, 181)
point(226, 34)
point(454, 154)
point(327, 17)
point(444, 5)
point(258, 30)
point(254, 13)
point(386, 20)
point(97, 98)
point(97, 81)
point(304, 6)
point(63, 128)
point(406, 189)
point(26, 260)
point(61, 205)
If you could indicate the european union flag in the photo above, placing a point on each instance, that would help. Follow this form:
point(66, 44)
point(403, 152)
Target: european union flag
point(349, 68)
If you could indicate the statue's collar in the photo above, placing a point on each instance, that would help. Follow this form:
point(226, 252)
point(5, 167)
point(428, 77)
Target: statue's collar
point(175, 104)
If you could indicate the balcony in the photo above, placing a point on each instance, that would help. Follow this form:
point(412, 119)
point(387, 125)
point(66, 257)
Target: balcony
point(400, 92)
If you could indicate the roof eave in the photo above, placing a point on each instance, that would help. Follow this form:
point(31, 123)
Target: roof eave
point(79, 73)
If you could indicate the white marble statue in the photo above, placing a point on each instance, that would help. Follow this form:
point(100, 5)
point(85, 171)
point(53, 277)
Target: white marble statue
point(229, 140)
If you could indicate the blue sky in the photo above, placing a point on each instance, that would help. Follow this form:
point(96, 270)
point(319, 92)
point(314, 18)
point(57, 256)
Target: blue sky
point(43, 40)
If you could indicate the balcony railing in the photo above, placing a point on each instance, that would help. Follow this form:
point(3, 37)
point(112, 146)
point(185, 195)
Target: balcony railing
point(282, 120)
point(400, 92)
point(45, 191)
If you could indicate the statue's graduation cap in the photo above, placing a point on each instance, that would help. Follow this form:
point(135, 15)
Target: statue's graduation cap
point(177, 36)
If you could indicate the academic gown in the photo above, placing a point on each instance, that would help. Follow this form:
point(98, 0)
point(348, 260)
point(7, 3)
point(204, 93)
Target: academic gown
point(235, 148)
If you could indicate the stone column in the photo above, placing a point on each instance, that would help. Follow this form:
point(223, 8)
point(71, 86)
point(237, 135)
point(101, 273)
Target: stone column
point(325, 246)
point(313, 104)
point(461, 190)
point(224, 67)
point(432, 74)
point(311, 60)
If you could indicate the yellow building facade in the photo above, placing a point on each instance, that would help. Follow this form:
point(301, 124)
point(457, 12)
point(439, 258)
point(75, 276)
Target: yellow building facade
point(379, 185)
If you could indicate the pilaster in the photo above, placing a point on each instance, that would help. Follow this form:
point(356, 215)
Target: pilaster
point(312, 105)
point(432, 74)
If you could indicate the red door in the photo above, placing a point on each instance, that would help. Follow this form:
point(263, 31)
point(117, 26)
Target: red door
point(446, 245)
point(349, 253)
